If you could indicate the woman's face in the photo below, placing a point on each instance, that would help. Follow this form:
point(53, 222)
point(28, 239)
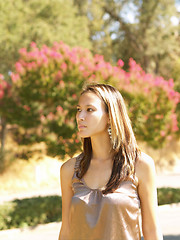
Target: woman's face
point(91, 117)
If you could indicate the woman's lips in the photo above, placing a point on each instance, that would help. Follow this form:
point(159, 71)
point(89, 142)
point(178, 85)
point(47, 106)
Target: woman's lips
point(81, 126)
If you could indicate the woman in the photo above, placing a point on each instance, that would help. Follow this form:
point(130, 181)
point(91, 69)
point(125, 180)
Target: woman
point(103, 187)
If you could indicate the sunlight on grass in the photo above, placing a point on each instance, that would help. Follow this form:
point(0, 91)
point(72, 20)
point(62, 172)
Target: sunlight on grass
point(37, 173)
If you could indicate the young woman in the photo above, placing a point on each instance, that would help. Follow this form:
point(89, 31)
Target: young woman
point(104, 187)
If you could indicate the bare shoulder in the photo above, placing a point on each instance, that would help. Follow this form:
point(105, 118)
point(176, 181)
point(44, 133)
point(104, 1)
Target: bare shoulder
point(66, 173)
point(68, 166)
point(145, 167)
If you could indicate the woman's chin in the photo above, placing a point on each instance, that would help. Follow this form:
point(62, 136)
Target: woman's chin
point(82, 135)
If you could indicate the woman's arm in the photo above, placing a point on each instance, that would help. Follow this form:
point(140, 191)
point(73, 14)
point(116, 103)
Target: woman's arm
point(66, 173)
point(147, 191)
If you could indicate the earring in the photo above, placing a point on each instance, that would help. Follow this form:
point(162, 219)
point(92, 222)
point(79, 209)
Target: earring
point(110, 135)
point(109, 132)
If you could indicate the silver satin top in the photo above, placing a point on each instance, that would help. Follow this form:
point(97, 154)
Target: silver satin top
point(96, 216)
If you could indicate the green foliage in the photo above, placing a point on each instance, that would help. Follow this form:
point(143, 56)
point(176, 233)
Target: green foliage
point(99, 26)
point(139, 29)
point(48, 81)
point(41, 210)
point(42, 21)
point(30, 212)
point(168, 195)
point(142, 110)
point(176, 76)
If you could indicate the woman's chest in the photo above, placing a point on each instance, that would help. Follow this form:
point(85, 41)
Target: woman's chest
point(97, 176)
point(124, 195)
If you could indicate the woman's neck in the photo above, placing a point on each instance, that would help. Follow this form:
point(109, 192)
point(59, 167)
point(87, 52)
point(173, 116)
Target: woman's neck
point(101, 147)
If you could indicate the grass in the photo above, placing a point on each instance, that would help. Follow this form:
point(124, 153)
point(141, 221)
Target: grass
point(29, 172)
point(37, 173)
point(41, 210)
point(21, 175)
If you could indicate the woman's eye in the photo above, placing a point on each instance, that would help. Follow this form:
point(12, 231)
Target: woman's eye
point(78, 109)
point(89, 109)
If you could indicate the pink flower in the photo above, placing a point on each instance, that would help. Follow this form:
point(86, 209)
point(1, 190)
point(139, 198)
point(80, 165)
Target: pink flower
point(132, 63)
point(5, 84)
point(146, 90)
point(175, 128)
point(55, 55)
point(45, 49)
point(45, 60)
point(33, 45)
point(174, 122)
point(74, 96)
point(147, 77)
point(85, 74)
point(162, 133)
point(109, 67)
point(81, 68)
point(76, 141)
point(61, 83)
point(120, 63)
point(59, 109)
point(19, 68)
point(73, 57)
point(50, 116)
point(158, 81)
point(98, 58)
point(23, 51)
point(27, 108)
point(171, 94)
point(15, 77)
point(42, 118)
point(64, 67)
point(171, 83)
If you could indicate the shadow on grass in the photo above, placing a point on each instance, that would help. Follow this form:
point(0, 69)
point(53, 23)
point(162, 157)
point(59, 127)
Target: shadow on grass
point(30, 212)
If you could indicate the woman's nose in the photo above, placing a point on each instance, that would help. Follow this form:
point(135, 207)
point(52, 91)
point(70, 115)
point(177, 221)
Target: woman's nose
point(81, 116)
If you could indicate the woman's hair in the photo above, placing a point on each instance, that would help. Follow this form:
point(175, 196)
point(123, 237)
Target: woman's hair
point(124, 146)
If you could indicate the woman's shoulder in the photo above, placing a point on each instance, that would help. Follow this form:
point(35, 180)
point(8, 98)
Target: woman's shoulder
point(145, 167)
point(68, 166)
point(144, 160)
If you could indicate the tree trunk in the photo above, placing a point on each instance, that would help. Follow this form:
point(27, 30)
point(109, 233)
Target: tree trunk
point(3, 133)
point(157, 66)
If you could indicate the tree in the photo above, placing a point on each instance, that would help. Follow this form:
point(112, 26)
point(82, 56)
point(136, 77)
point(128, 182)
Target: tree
point(150, 38)
point(45, 88)
point(99, 31)
point(42, 21)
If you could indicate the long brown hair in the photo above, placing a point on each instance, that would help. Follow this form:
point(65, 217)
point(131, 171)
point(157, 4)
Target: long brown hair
point(124, 146)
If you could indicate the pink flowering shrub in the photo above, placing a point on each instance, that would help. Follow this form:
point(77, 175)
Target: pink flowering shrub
point(47, 83)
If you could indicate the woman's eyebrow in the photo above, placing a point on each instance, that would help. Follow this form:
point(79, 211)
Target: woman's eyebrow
point(85, 105)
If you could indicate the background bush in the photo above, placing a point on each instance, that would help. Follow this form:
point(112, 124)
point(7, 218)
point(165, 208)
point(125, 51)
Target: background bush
point(168, 195)
point(44, 92)
point(40, 210)
point(30, 212)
